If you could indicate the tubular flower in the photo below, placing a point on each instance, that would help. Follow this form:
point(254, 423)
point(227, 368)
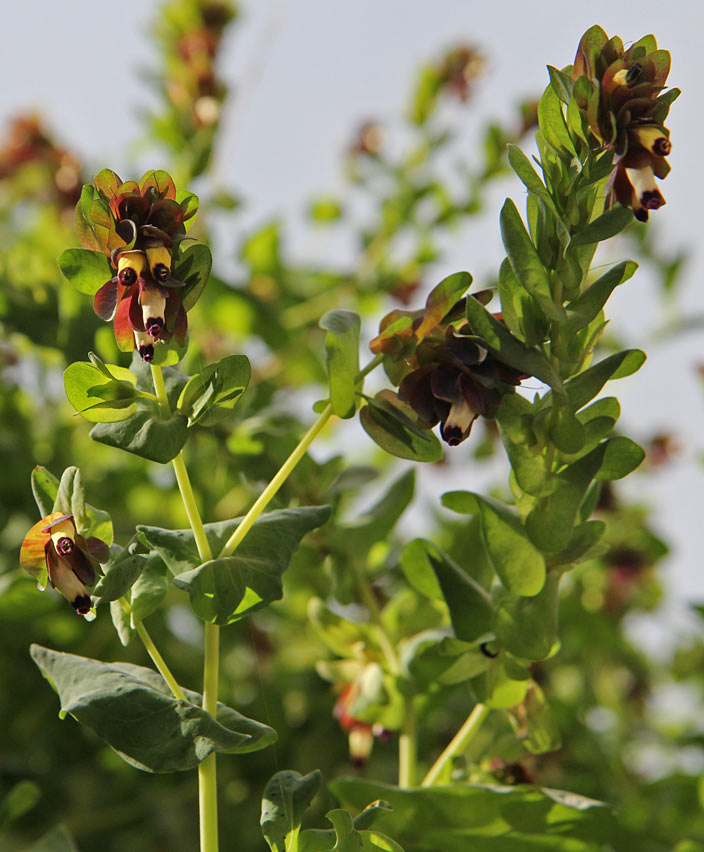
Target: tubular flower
point(443, 371)
point(621, 94)
point(138, 226)
point(360, 734)
point(53, 550)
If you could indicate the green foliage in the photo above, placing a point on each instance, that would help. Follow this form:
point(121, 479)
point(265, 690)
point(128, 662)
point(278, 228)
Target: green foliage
point(464, 817)
point(227, 588)
point(172, 734)
point(342, 353)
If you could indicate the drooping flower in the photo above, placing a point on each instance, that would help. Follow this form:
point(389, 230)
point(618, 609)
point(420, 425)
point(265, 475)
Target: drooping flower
point(621, 92)
point(54, 550)
point(443, 371)
point(360, 735)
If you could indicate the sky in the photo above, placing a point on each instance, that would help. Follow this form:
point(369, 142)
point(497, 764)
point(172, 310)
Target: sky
point(304, 73)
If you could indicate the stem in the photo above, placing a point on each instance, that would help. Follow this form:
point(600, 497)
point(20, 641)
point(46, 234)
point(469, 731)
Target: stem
point(207, 777)
point(281, 476)
point(458, 743)
point(407, 747)
point(153, 652)
point(160, 391)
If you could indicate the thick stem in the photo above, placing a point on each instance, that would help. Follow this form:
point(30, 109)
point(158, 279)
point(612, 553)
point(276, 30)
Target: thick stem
point(281, 476)
point(160, 391)
point(458, 743)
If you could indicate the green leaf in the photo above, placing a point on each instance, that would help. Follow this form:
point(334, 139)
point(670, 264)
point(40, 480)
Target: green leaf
point(550, 523)
point(121, 622)
point(475, 818)
point(286, 799)
point(342, 353)
point(504, 684)
point(552, 124)
point(21, 797)
point(84, 228)
point(377, 523)
point(189, 204)
point(45, 487)
point(584, 387)
point(150, 589)
point(193, 268)
point(133, 710)
point(209, 395)
point(463, 502)
point(514, 417)
point(146, 433)
point(86, 270)
point(615, 220)
point(525, 171)
point(561, 83)
point(469, 604)
point(70, 499)
point(508, 348)
point(347, 839)
point(622, 456)
point(527, 627)
point(583, 545)
point(586, 307)
point(58, 839)
point(518, 564)
point(224, 590)
point(100, 398)
point(121, 571)
point(394, 426)
point(525, 262)
point(568, 434)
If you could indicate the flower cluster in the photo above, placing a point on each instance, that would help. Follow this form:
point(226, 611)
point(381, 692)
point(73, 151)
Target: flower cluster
point(443, 371)
point(621, 93)
point(138, 226)
point(53, 549)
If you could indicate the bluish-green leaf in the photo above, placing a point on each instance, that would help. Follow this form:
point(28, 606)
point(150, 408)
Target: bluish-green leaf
point(551, 522)
point(475, 818)
point(86, 270)
point(584, 387)
point(342, 353)
point(517, 562)
point(70, 499)
point(527, 627)
point(193, 268)
point(525, 261)
point(586, 307)
point(224, 590)
point(209, 395)
point(395, 428)
point(286, 799)
point(615, 220)
point(133, 710)
point(146, 433)
point(150, 588)
point(120, 573)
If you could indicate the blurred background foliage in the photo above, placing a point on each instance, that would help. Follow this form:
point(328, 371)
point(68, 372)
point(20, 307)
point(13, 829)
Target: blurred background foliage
point(627, 727)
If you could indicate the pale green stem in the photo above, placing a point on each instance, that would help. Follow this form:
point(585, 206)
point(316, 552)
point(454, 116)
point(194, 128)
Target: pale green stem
point(207, 778)
point(407, 746)
point(458, 743)
point(153, 652)
point(160, 391)
point(269, 492)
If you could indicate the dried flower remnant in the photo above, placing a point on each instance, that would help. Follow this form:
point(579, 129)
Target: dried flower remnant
point(621, 93)
point(54, 550)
